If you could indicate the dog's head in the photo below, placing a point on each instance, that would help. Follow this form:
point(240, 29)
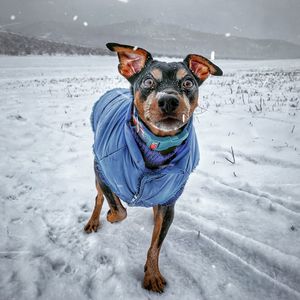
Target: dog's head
point(165, 94)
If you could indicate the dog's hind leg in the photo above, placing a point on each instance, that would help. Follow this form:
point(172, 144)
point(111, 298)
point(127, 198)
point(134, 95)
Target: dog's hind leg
point(117, 211)
point(163, 218)
point(94, 222)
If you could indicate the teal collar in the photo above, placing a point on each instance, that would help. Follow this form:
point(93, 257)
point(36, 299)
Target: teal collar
point(159, 143)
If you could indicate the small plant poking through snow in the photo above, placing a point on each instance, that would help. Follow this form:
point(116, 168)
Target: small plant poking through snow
point(232, 159)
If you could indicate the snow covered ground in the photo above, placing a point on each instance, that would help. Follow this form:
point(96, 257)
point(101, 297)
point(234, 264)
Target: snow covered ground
point(236, 233)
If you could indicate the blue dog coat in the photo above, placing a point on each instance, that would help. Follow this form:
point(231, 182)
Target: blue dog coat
point(119, 162)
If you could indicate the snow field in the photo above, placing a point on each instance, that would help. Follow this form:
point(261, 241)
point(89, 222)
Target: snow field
point(236, 228)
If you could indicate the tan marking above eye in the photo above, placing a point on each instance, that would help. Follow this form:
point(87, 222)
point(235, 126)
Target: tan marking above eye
point(157, 74)
point(181, 73)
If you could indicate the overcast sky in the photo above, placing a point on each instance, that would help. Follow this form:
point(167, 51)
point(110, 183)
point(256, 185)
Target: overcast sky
point(278, 19)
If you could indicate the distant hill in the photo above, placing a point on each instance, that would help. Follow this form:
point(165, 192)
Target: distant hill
point(167, 39)
point(160, 39)
point(16, 44)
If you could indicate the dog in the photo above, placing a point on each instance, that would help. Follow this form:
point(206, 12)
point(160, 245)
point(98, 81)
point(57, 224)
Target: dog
point(145, 145)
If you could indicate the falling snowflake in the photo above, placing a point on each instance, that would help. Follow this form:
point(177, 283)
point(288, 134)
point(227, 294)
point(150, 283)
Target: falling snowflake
point(237, 28)
point(124, 1)
point(212, 55)
point(227, 34)
point(85, 24)
point(75, 18)
point(12, 17)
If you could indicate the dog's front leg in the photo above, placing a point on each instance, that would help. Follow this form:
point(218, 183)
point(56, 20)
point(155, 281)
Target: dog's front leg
point(163, 217)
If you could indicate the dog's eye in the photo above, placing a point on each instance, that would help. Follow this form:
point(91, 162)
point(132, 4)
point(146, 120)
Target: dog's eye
point(148, 82)
point(188, 84)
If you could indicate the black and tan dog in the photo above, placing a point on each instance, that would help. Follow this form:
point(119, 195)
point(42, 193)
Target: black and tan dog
point(145, 145)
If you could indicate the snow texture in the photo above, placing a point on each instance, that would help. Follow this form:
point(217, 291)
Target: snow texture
point(236, 233)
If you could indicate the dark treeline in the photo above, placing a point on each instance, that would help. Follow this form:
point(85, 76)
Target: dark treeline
point(15, 44)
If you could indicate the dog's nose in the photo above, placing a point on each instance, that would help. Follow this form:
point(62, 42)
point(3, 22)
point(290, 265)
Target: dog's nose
point(168, 103)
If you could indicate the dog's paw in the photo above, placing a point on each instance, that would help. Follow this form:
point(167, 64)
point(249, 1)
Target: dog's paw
point(116, 215)
point(92, 225)
point(154, 282)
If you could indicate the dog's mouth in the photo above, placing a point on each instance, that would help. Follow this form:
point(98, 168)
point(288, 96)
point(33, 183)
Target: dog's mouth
point(169, 118)
point(169, 123)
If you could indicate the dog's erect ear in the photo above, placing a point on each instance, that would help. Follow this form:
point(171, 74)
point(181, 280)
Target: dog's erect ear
point(202, 67)
point(132, 59)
